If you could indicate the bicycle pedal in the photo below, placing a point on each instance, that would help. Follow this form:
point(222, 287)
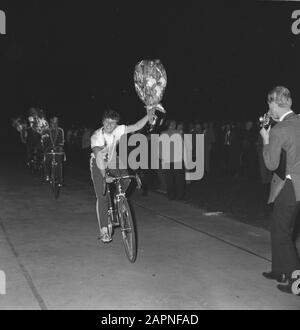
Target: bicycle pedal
point(106, 241)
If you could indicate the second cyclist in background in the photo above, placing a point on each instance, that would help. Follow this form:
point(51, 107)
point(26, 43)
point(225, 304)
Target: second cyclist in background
point(53, 140)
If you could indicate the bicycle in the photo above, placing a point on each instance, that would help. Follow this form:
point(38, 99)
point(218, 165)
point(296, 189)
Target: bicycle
point(56, 185)
point(120, 215)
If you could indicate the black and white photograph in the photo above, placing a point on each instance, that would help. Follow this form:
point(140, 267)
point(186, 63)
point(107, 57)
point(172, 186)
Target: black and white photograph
point(150, 158)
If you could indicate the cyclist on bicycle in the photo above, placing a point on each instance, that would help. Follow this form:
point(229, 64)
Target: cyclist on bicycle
point(103, 144)
point(53, 140)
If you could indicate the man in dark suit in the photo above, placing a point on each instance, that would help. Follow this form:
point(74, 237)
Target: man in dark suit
point(285, 191)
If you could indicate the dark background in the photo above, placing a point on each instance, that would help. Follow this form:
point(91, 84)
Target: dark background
point(75, 58)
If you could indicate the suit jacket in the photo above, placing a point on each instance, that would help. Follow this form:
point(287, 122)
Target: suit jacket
point(285, 135)
point(281, 169)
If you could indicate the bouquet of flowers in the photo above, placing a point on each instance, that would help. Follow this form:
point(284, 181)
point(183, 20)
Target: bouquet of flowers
point(38, 122)
point(150, 80)
point(41, 125)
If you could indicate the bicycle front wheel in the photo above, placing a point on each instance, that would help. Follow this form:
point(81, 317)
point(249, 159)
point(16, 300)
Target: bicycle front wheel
point(55, 189)
point(128, 229)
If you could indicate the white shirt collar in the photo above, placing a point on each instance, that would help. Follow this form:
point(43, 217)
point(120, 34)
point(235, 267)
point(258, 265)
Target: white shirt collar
point(283, 116)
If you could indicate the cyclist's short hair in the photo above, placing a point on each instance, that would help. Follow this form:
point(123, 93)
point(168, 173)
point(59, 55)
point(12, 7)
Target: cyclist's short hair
point(111, 114)
point(281, 96)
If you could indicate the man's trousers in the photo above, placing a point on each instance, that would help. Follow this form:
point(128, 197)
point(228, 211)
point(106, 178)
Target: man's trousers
point(285, 258)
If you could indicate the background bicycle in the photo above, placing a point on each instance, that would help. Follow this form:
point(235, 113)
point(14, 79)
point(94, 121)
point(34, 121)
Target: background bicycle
point(53, 163)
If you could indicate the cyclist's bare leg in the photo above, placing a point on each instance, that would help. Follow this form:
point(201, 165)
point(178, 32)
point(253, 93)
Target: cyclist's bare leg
point(102, 201)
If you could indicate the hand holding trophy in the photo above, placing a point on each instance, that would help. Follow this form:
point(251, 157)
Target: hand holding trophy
point(150, 80)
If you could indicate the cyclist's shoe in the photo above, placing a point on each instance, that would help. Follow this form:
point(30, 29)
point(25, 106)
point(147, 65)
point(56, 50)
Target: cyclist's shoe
point(104, 236)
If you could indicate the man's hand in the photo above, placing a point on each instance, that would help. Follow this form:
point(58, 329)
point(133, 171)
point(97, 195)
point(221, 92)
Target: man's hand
point(152, 108)
point(265, 134)
point(151, 116)
point(106, 179)
point(160, 108)
point(101, 163)
point(151, 112)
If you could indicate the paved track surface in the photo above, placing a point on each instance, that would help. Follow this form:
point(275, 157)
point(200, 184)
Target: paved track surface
point(186, 260)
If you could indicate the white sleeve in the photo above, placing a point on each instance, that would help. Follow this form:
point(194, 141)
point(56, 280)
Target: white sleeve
point(97, 139)
point(119, 131)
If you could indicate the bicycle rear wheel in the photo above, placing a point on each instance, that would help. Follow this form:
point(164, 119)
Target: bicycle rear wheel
point(128, 229)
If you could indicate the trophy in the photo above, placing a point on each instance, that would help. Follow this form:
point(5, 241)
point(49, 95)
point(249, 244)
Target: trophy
point(150, 81)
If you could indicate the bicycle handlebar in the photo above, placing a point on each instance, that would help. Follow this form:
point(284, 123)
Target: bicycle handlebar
point(55, 153)
point(117, 178)
point(123, 177)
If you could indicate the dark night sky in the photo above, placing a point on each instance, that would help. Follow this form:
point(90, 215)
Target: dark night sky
point(76, 58)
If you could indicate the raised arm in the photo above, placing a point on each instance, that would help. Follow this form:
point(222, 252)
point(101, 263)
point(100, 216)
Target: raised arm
point(149, 117)
point(272, 149)
point(138, 125)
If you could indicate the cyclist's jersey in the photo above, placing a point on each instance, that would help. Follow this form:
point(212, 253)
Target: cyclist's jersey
point(107, 142)
point(53, 139)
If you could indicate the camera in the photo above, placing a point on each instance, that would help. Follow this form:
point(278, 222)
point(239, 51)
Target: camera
point(265, 121)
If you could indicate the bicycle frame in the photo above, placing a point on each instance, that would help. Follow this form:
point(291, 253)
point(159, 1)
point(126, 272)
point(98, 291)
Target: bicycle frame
point(54, 162)
point(113, 205)
point(119, 214)
point(53, 180)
